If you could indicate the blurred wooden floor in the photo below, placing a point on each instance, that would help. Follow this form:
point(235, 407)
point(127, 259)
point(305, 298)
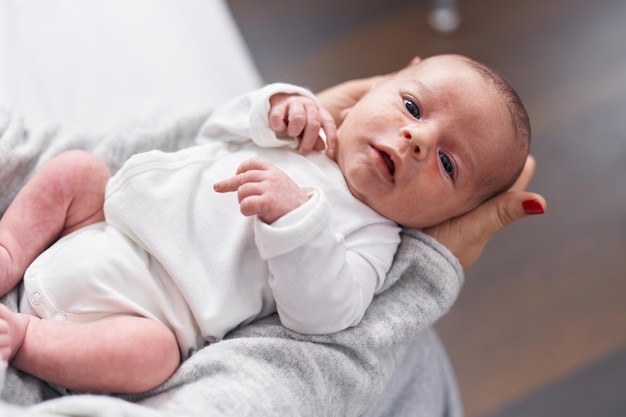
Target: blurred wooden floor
point(541, 319)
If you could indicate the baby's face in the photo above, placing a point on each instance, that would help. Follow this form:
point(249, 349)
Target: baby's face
point(417, 146)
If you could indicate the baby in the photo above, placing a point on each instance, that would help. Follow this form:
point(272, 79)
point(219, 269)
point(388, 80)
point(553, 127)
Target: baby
point(170, 258)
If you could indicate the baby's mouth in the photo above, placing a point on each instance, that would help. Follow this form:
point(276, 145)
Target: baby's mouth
point(384, 163)
point(389, 162)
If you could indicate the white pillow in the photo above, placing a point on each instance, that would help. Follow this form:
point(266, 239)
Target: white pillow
point(97, 65)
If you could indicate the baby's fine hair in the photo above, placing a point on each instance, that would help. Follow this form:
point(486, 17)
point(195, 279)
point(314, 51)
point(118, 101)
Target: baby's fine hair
point(521, 125)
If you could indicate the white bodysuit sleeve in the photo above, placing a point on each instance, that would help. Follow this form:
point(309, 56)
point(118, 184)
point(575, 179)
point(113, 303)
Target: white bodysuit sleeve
point(245, 118)
point(322, 283)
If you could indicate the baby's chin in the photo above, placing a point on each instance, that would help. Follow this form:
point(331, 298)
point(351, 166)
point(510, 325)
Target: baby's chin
point(409, 222)
point(421, 222)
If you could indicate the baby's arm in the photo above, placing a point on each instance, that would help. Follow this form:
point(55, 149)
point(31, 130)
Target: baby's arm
point(265, 190)
point(247, 118)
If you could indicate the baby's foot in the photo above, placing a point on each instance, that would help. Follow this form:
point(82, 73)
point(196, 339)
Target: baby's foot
point(12, 332)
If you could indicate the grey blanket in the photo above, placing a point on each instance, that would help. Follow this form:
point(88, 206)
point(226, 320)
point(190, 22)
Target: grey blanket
point(262, 369)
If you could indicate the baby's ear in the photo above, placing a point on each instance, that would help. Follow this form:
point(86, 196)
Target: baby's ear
point(414, 60)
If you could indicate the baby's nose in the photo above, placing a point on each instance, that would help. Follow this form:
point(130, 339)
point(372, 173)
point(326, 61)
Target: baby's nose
point(419, 141)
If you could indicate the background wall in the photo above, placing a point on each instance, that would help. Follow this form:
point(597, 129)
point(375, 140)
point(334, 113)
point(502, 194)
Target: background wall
point(540, 326)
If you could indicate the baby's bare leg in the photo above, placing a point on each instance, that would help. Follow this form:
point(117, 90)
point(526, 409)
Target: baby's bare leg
point(65, 194)
point(122, 354)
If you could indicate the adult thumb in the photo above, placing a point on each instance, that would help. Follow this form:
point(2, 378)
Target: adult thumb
point(512, 205)
point(507, 208)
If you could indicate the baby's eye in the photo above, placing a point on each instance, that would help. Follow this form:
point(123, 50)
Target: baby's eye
point(412, 108)
point(447, 164)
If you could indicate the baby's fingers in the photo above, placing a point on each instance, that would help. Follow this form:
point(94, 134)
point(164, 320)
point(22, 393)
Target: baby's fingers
point(297, 119)
point(278, 117)
point(329, 126)
point(248, 171)
point(228, 185)
point(311, 131)
point(288, 116)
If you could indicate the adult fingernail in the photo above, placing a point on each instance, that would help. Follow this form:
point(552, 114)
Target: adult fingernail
point(532, 207)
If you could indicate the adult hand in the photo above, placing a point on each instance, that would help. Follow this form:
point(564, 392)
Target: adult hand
point(466, 236)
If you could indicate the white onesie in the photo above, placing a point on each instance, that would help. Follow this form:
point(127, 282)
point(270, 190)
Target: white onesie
point(175, 250)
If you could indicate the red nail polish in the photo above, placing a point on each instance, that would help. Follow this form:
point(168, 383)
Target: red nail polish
point(532, 207)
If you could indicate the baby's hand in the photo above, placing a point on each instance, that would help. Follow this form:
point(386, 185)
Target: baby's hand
point(264, 190)
point(301, 117)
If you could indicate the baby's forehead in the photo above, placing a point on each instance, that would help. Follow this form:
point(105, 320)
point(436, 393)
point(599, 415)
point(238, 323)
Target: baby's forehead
point(453, 77)
point(443, 62)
